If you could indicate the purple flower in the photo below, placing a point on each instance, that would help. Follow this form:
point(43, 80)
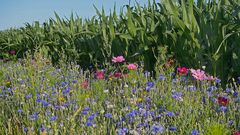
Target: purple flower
point(194, 132)
point(150, 84)
point(29, 96)
point(53, 118)
point(177, 95)
point(172, 128)
point(157, 129)
point(132, 114)
point(66, 91)
point(192, 88)
point(20, 111)
point(91, 117)
point(161, 77)
point(34, 116)
point(170, 114)
point(44, 103)
point(25, 129)
point(84, 112)
point(134, 91)
point(42, 128)
point(235, 94)
point(89, 124)
point(122, 131)
point(64, 84)
point(223, 108)
point(74, 81)
point(108, 115)
point(217, 80)
point(86, 109)
point(228, 90)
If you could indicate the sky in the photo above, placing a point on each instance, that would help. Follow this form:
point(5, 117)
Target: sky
point(14, 13)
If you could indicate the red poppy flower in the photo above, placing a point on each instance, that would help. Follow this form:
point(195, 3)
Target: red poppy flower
point(236, 133)
point(182, 71)
point(12, 52)
point(117, 75)
point(223, 101)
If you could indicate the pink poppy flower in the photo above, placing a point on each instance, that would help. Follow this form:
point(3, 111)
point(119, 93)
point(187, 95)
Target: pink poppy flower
point(182, 70)
point(132, 66)
point(210, 78)
point(118, 59)
point(198, 74)
point(99, 75)
point(84, 84)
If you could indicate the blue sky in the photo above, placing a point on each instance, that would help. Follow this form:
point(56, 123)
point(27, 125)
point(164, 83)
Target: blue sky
point(14, 13)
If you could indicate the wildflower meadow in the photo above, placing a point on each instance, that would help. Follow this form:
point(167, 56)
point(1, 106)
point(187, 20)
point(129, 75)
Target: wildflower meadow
point(38, 98)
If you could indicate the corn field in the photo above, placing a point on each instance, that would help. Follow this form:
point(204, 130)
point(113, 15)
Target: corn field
point(193, 33)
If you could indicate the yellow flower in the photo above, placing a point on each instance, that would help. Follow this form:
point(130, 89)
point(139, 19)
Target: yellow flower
point(61, 99)
point(8, 84)
point(44, 133)
point(139, 100)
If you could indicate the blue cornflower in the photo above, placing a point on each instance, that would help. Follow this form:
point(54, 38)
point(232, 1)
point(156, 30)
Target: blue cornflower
point(91, 117)
point(173, 128)
point(235, 94)
point(134, 91)
point(84, 112)
point(177, 95)
point(170, 114)
point(66, 91)
point(122, 131)
point(210, 89)
point(172, 73)
point(157, 129)
point(25, 129)
point(217, 80)
point(228, 90)
point(223, 108)
point(192, 88)
point(108, 115)
point(64, 84)
point(42, 129)
point(183, 78)
point(195, 132)
point(131, 114)
point(86, 109)
point(150, 84)
point(44, 103)
point(34, 116)
point(161, 77)
point(29, 96)
point(89, 124)
point(54, 93)
point(125, 129)
point(204, 100)
point(53, 118)
point(57, 107)
point(9, 89)
point(20, 111)
point(148, 99)
point(74, 81)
